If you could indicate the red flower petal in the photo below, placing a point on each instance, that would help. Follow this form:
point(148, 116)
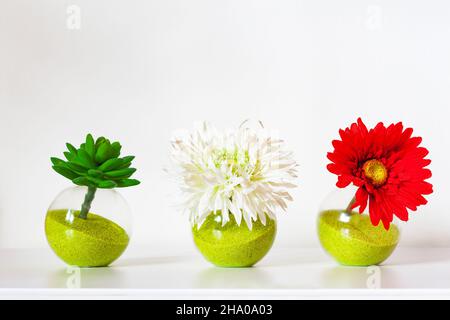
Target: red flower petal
point(344, 181)
point(361, 198)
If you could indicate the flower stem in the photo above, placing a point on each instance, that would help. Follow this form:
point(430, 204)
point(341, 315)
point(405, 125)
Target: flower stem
point(86, 206)
point(349, 207)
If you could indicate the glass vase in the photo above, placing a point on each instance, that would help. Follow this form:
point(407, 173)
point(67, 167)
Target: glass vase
point(234, 245)
point(96, 240)
point(349, 237)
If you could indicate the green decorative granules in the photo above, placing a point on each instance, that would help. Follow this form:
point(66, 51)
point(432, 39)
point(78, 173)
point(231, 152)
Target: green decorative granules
point(352, 239)
point(232, 245)
point(91, 242)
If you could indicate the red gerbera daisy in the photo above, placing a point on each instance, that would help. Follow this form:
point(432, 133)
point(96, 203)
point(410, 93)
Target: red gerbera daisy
point(388, 167)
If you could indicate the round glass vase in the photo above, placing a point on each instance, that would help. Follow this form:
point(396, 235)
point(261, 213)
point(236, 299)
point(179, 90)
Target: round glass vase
point(349, 237)
point(95, 241)
point(232, 245)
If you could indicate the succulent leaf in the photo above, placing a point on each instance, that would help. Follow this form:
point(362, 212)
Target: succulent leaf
point(122, 173)
point(94, 181)
point(90, 146)
point(107, 184)
point(126, 162)
point(82, 181)
point(103, 152)
point(115, 149)
point(95, 173)
point(127, 183)
point(84, 157)
point(80, 163)
point(111, 164)
point(96, 163)
point(128, 159)
point(69, 174)
point(80, 170)
point(98, 142)
point(69, 156)
point(56, 161)
point(71, 149)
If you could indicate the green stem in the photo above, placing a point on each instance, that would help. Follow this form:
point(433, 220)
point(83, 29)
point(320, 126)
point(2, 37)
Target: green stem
point(86, 206)
point(349, 207)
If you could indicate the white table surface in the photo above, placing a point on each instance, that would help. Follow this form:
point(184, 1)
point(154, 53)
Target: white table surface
point(284, 273)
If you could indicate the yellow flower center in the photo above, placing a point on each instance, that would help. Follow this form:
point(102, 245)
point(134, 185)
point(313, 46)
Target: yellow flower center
point(375, 171)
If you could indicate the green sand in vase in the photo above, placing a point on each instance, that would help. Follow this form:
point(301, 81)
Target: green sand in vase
point(352, 239)
point(232, 245)
point(91, 242)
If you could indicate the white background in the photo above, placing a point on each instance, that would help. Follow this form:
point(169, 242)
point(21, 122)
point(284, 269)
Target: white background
point(138, 70)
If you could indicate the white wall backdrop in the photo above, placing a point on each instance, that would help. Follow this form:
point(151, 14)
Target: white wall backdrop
point(137, 70)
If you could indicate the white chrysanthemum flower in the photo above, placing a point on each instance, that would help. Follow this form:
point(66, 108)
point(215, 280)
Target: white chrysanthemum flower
point(245, 172)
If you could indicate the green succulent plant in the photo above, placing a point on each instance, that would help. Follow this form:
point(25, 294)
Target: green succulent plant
point(95, 164)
